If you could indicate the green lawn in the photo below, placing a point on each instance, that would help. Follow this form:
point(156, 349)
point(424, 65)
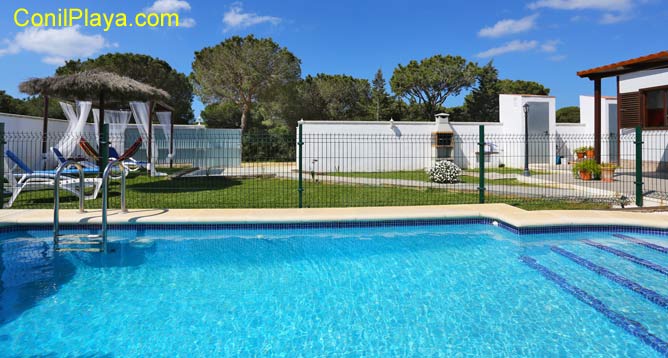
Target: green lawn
point(421, 175)
point(218, 192)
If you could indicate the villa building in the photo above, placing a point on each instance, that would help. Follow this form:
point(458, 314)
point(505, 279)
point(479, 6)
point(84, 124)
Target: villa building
point(642, 91)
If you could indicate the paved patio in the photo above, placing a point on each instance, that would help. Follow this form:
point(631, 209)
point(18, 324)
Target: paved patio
point(509, 214)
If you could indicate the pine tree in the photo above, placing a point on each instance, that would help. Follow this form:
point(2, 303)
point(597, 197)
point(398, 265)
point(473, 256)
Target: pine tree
point(379, 96)
point(482, 104)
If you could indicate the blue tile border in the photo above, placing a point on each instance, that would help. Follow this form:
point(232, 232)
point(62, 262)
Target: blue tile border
point(632, 327)
point(548, 229)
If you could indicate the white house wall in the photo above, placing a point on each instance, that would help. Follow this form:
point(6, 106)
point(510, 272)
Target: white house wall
point(574, 135)
point(633, 82)
point(655, 150)
point(511, 116)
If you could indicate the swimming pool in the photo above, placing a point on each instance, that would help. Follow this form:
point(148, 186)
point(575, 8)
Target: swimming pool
point(421, 288)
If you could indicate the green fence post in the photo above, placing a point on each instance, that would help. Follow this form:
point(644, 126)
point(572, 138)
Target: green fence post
point(104, 148)
point(481, 160)
point(2, 165)
point(638, 182)
point(300, 143)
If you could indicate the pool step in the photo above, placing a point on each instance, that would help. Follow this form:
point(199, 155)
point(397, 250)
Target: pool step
point(75, 249)
point(625, 286)
point(633, 327)
point(79, 236)
point(78, 242)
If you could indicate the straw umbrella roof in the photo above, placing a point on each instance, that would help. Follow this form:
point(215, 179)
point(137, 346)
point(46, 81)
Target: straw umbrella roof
point(91, 85)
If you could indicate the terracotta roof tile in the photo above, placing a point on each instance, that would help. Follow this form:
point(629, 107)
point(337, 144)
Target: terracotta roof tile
point(620, 66)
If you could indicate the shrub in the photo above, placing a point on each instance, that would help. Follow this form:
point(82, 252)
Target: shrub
point(444, 172)
point(588, 165)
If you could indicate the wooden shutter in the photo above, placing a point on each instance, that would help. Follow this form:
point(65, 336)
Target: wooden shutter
point(630, 115)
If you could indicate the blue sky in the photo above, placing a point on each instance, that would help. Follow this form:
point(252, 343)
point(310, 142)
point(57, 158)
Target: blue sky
point(542, 40)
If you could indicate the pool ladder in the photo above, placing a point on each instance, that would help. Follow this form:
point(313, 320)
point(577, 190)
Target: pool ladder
point(84, 242)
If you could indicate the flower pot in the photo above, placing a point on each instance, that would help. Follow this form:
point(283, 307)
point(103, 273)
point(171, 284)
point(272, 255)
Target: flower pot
point(607, 174)
point(591, 154)
point(580, 155)
point(585, 175)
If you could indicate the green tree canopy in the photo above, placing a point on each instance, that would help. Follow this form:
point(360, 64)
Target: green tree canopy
point(522, 87)
point(9, 104)
point(568, 115)
point(146, 69)
point(431, 81)
point(31, 106)
point(482, 103)
point(243, 71)
point(336, 97)
point(222, 115)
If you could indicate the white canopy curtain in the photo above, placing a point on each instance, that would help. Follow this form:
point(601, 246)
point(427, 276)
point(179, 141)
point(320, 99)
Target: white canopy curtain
point(165, 119)
point(76, 123)
point(141, 111)
point(118, 123)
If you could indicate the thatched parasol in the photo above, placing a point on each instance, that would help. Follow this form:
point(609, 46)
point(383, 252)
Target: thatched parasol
point(90, 85)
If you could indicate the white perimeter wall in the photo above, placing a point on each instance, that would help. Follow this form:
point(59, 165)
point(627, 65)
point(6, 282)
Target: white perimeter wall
point(197, 145)
point(349, 146)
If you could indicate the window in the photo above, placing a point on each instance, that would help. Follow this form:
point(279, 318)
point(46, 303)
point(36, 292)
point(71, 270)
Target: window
point(656, 111)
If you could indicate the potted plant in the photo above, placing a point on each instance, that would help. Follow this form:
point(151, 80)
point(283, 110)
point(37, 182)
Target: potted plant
point(587, 169)
point(580, 152)
point(608, 172)
point(589, 152)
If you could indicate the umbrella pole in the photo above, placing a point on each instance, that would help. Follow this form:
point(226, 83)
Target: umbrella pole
point(103, 145)
point(171, 141)
point(150, 139)
point(45, 128)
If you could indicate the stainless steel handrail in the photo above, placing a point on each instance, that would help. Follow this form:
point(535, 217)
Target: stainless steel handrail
point(56, 195)
point(105, 195)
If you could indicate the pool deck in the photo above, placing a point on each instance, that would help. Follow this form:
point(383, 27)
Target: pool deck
point(509, 214)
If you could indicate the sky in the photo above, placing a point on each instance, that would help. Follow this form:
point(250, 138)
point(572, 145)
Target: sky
point(546, 41)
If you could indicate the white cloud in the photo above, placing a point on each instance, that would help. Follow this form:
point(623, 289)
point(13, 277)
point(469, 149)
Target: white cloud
point(235, 18)
point(604, 5)
point(513, 46)
point(187, 22)
point(56, 45)
point(610, 18)
point(173, 7)
point(162, 6)
point(557, 58)
point(550, 46)
point(509, 26)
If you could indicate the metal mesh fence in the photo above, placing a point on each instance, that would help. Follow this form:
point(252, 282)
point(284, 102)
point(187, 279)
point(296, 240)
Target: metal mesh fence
point(217, 169)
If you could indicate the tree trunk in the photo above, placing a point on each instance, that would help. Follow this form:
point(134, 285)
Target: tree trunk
point(244, 116)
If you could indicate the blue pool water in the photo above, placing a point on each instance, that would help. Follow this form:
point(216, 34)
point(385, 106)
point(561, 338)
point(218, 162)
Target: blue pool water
point(432, 290)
